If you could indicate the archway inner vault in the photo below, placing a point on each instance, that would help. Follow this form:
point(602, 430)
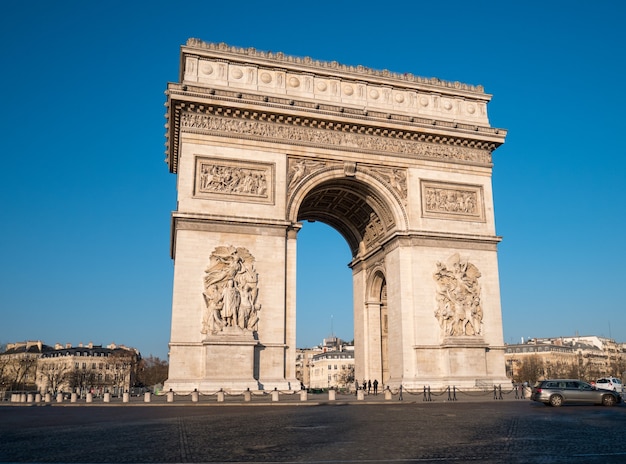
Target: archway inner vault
point(351, 208)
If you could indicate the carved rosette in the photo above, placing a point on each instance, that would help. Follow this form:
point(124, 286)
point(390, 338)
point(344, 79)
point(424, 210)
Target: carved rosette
point(230, 292)
point(459, 309)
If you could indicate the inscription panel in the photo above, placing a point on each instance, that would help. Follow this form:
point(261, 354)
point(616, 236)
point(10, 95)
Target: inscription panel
point(220, 179)
point(452, 201)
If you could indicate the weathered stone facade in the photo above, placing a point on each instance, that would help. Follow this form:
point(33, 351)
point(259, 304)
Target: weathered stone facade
point(399, 165)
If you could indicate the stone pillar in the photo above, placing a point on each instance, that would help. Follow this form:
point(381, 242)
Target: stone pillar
point(89, 398)
point(48, 398)
point(125, 397)
point(275, 395)
point(59, 397)
point(360, 395)
point(247, 396)
point(303, 395)
point(146, 397)
point(38, 398)
point(23, 398)
point(387, 394)
point(194, 396)
point(332, 395)
point(107, 397)
point(220, 396)
point(73, 397)
point(29, 398)
point(170, 396)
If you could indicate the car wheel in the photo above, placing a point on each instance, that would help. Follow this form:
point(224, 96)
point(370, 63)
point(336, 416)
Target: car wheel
point(556, 400)
point(608, 400)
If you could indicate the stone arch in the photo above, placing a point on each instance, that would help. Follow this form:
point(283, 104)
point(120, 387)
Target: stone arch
point(360, 207)
point(376, 355)
point(399, 165)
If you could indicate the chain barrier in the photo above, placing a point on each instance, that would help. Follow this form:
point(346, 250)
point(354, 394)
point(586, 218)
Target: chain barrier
point(450, 393)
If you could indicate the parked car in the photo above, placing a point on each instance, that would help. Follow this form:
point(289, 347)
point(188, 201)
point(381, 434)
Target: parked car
point(556, 392)
point(610, 383)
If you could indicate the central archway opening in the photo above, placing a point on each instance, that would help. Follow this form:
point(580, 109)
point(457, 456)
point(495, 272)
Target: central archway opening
point(324, 293)
point(345, 221)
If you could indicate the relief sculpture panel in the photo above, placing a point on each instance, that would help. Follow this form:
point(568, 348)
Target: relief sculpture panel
point(452, 201)
point(459, 309)
point(243, 181)
point(230, 292)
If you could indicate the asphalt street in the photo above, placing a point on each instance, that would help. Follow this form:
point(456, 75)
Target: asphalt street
point(440, 431)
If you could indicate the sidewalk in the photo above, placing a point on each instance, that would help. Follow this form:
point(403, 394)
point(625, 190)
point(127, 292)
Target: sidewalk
point(276, 397)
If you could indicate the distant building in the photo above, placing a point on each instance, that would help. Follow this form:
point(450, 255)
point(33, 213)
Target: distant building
point(34, 366)
point(587, 358)
point(18, 365)
point(330, 364)
point(333, 369)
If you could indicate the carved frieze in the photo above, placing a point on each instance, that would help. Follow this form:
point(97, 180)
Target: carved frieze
point(459, 309)
point(240, 181)
point(452, 201)
point(317, 134)
point(230, 292)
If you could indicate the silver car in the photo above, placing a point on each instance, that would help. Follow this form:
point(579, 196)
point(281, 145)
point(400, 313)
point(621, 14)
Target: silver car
point(556, 392)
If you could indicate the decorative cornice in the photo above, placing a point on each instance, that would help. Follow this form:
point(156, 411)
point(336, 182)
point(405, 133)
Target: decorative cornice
point(410, 141)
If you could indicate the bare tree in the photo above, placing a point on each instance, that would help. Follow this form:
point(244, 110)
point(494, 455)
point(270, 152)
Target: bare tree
point(151, 371)
point(530, 369)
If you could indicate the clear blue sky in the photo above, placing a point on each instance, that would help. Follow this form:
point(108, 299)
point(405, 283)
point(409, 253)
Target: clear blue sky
point(86, 194)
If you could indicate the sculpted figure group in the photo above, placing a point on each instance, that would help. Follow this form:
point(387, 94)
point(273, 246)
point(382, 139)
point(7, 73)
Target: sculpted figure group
point(459, 309)
point(230, 291)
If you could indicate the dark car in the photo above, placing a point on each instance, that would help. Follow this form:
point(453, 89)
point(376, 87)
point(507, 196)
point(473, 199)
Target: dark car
point(559, 391)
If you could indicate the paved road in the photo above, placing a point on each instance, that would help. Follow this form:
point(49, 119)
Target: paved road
point(323, 432)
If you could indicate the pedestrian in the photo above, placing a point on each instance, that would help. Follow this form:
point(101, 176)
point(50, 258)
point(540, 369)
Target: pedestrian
point(375, 387)
point(364, 385)
point(356, 387)
point(369, 386)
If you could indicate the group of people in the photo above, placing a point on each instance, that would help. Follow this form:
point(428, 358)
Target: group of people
point(367, 386)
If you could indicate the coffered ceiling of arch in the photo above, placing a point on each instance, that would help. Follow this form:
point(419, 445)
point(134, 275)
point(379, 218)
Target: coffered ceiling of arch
point(350, 208)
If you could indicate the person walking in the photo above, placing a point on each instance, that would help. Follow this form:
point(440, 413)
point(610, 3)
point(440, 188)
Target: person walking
point(369, 387)
point(375, 387)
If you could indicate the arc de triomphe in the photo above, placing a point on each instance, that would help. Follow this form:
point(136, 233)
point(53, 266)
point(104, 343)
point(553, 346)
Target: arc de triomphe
point(399, 165)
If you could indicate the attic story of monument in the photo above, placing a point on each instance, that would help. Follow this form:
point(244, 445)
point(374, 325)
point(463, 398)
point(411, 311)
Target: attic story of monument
point(399, 165)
